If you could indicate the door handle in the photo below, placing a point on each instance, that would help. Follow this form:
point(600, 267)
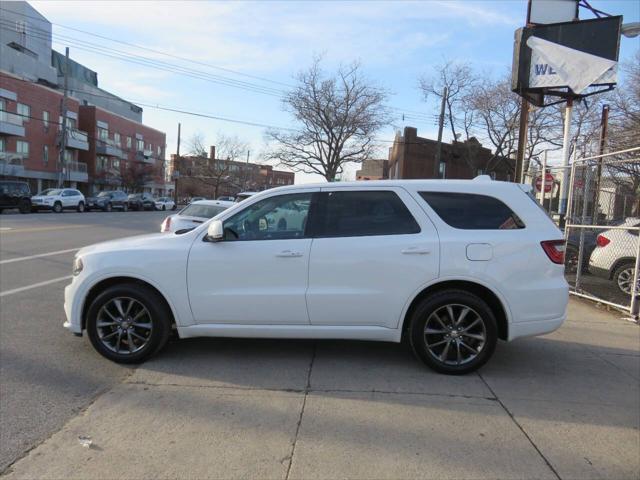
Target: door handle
point(288, 254)
point(415, 251)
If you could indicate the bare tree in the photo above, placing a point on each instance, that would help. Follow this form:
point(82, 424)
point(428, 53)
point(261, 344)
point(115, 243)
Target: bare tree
point(196, 145)
point(460, 81)
point(338, 117)
point(135, 175)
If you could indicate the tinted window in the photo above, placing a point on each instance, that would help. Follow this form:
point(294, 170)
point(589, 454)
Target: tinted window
point(353, 214)
point(274, 218)
point(472, 212)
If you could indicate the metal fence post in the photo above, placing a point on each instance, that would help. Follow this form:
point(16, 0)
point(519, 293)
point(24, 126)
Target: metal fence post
point(634, 287)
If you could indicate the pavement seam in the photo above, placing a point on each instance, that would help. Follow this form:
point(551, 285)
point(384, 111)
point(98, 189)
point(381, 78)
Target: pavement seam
point(304, 404)
point(520, 427)
point(310, 390)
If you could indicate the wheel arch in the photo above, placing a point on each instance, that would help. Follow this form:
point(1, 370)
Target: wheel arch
point(485, 293)
point(618, 263)
point(103, 284)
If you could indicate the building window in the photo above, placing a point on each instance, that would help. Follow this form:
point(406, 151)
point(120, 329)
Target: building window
point(159, 150)
point(116, 138)
point(101, 163)
point(45, 155)
point(115, 163)
point(23, 148)
point(442, 169)
point(129, 142)
point(1, 144)
point(24, 111)
point(45, 119)
point(140, 145)
point(103, 134)
point(68, 156)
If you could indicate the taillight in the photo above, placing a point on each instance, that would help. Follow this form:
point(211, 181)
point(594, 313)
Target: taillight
point(602, 241)
point(554, 250)
point(166, 225)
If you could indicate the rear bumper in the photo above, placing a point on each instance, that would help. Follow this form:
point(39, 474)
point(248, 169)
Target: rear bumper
point(532, 329)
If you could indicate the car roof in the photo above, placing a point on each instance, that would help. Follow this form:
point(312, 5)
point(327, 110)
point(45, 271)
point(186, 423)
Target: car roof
point(221, 203)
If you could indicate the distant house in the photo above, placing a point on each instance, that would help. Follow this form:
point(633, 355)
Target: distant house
point(412, 156)
point(373, 170)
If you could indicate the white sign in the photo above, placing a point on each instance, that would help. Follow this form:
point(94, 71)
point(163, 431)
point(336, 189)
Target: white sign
point(554, 65)
point(553, 11)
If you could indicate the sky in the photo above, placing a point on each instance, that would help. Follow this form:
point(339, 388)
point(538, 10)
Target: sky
point(248, 54)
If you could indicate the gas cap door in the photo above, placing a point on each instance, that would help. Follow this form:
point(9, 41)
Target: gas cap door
point(479, 252)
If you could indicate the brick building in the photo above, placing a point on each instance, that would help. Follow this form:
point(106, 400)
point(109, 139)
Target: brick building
point(107, 146)
point(373, 170)
point(213, 177)
point(412, 156)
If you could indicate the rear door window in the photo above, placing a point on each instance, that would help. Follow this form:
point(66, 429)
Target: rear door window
point(470, 211)
point(363, 213)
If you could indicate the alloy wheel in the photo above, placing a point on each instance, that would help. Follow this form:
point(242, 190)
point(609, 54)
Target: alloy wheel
point(625, 280)
point(124, 325)
point(455, 334)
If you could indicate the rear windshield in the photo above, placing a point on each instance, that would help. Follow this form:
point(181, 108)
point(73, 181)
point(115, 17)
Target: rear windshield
point(469, 211)
point(203, 211)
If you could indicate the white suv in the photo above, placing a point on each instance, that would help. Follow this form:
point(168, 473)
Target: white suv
point(452, 265)
point(59, 199)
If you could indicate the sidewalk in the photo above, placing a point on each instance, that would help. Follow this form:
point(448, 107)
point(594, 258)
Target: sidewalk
point(560, 406)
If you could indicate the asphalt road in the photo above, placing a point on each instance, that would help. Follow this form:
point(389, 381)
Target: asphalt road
point(46, 374)
point(560, 406)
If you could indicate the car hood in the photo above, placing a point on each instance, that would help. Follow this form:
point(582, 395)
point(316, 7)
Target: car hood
point(138, 242)
point(43, 197)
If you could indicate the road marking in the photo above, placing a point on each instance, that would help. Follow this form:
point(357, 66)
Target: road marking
point(4, 229)
point(40, 255)
point(34, 285)
point(41, 229)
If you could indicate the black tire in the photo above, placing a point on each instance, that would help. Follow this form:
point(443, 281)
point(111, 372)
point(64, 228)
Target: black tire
point(174, 207)
point(24, 206)
point(457, 300)
point(623, 275)
point(164, 208)
point(57, 207)
point(81, 207)
point(108, 207)
point(158, 317)
point(124, 207)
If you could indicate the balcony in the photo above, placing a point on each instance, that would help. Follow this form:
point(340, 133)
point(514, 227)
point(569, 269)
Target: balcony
point(76, 171)
point(11, 164)
point(77, 139)
point(11, 124)
point(145, 156)
point(109, 148)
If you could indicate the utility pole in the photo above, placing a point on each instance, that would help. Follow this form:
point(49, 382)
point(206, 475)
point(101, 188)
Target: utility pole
point(604, 127)
point(436, 166)
point(176, 172)
point(63, 111)
point(566, 152)
point(522, 139)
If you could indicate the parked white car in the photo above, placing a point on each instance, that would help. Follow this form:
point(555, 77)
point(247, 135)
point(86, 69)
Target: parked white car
point(193, 215)
point(59, 199)
point(165, 203)
point(614, 257)
point(454, 265)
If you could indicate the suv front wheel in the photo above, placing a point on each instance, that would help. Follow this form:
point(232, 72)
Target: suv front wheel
point(453, 331)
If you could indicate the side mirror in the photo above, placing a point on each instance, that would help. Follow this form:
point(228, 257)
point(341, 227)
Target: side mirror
point(215, 232)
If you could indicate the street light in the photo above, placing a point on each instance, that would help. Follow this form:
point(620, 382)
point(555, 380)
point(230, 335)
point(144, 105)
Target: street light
point(631, 30)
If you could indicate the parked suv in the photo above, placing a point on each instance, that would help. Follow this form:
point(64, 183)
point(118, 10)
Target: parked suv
point(108, 200)
point(58, 199)
point(451, 265)
point(15, 195)
point(141, 201)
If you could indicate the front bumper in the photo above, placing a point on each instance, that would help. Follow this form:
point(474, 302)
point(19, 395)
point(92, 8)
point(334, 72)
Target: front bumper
point(72, 309)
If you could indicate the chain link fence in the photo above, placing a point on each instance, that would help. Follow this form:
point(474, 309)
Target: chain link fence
point(601, 225)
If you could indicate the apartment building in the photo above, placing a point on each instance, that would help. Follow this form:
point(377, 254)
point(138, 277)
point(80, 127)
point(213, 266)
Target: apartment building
point(106, 144)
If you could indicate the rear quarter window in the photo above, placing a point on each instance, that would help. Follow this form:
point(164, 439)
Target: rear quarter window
point(469, 211)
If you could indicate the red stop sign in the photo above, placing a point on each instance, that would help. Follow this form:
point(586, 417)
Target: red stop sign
point(548, 183)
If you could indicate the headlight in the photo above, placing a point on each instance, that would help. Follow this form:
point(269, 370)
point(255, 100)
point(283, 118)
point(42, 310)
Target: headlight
point(77, 266)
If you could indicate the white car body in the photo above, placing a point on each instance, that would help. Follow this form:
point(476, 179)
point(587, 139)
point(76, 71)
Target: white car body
point(619, 252)
point(66, 198)
point(183, 219)
point(165, 203)
point(356, 287)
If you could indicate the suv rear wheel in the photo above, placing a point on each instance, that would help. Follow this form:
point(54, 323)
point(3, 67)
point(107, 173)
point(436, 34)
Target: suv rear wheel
point(81, 207)
point(623, 277)
point(127, 323)
point(453, 331)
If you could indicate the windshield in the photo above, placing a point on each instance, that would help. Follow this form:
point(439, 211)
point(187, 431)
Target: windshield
point(52, 191)
point(134, 195)
point(203, 211)
point(104, 194)
point(46, 191)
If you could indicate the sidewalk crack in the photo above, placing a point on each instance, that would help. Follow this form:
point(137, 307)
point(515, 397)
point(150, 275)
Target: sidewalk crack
point(520, 427)
point(304, 403)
